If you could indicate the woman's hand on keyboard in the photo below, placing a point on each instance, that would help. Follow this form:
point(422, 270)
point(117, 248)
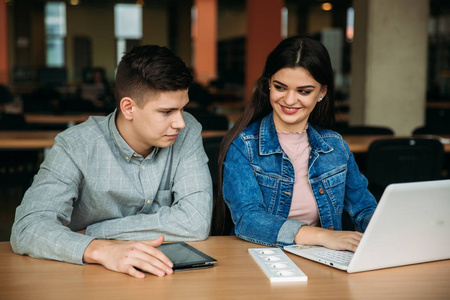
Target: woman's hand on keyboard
point(337, 240)
point(342, 240)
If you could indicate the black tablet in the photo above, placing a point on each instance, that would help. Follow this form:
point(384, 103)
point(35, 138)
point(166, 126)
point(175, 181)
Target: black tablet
point(186, 257)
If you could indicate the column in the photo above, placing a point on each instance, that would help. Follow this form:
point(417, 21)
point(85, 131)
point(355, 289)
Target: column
point(204, 35)
point(263, 34)
point(389, 64)
point(4, 65)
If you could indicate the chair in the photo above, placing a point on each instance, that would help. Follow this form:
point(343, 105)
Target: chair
point(9, 121)
point(437, 118)
point(212, 145)
point(360, 158)
point(221, 213)
point(17, 168)
point(437, 130)
point(403, 160)
point(209, 121)
point(12, 122)
point(434, 130)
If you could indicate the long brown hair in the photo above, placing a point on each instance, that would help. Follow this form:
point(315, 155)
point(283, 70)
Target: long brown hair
point(292, 52)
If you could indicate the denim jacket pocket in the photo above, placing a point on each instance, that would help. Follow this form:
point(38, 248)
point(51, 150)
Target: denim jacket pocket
point(269, 188)
point(335, 188)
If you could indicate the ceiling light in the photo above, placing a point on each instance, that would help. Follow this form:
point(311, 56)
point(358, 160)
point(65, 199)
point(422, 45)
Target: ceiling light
point(327, 6)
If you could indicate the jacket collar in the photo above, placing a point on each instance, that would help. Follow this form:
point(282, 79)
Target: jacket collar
point(269, 143)
point(316, 140)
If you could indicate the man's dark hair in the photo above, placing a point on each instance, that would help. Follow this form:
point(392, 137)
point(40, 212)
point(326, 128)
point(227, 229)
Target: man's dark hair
point(150, 69)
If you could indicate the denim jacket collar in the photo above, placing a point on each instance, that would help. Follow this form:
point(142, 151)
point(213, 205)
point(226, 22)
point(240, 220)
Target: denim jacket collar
point(269, 143)
point(317, 141)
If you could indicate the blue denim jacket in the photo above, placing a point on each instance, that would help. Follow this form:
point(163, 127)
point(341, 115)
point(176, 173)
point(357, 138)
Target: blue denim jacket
point(258, 181)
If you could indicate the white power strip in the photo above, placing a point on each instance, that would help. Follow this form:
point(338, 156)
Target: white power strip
point(277, 266)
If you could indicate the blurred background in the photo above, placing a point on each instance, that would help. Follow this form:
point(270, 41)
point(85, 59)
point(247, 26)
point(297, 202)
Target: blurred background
point(389, 57)
point(391, 60)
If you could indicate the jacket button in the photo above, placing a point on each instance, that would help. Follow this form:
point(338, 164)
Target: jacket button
point(331, 228)
point(321, 191)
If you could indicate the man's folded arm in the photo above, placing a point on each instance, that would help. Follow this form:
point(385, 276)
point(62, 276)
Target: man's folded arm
point(189, 216)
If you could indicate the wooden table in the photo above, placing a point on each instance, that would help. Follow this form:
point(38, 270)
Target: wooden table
point(43, 139)
point(438, 104)
point(361, 143)
point(27, 139)
point(70, 120)
point(236, 276)
point(213, 133)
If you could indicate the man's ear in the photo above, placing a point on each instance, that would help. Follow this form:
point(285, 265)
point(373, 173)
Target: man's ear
point(127, 107)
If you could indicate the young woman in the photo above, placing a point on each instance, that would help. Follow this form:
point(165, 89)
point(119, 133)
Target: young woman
point(285, 177)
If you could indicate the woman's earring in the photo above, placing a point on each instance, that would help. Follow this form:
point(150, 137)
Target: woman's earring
point(320, 99)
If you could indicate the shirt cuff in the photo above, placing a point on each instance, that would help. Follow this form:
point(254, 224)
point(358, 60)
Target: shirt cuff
point(79, 249)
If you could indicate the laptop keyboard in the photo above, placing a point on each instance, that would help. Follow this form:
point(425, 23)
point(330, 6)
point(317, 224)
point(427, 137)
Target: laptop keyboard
point(342, 257)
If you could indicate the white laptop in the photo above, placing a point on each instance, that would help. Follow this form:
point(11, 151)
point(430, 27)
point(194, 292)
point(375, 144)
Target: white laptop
point(410, 225)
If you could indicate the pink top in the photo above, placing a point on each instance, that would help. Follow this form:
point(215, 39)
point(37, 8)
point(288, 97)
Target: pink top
point(303, 207)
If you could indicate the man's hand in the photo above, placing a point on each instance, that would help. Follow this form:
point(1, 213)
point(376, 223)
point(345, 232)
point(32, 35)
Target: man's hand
point(130, 257)
point(337, 240)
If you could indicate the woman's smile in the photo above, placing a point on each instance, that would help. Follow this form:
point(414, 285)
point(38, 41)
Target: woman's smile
point(289, 110)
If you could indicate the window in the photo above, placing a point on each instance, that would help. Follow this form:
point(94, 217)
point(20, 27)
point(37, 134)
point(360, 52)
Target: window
point(127, 26)
point(284, 22)
point(350, 22)
point(55, 32)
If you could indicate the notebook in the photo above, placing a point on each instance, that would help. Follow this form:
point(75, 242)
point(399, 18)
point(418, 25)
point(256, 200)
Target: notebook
point(410, 225)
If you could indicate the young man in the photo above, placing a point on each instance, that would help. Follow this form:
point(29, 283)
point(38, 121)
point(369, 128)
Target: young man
point(113, 188)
